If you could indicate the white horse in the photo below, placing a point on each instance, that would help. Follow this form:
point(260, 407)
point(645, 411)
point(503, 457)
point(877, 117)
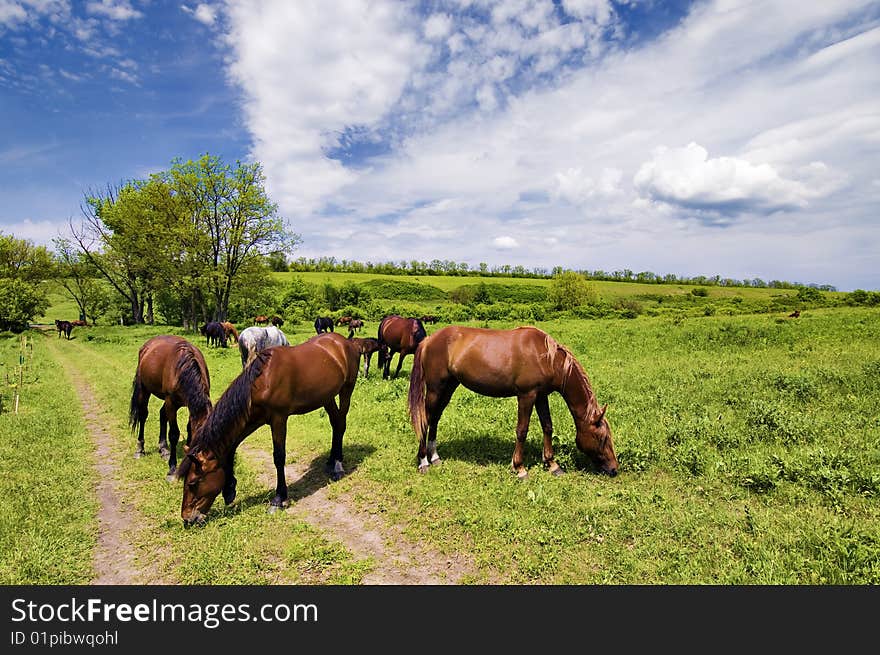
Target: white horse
point(254, 339)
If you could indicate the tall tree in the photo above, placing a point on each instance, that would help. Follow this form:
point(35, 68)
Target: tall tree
point(230, 205)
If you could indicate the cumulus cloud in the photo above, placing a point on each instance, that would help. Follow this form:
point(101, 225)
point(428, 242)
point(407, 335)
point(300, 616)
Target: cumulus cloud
point(689, 178)
point(120, 10)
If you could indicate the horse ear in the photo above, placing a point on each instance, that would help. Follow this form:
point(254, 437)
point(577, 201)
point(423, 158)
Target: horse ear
point(600, 414)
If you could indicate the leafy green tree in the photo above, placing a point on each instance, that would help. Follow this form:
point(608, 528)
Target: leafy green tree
point(23, 267)
point(569, 290)
point(20, 302)
point(22, 260)
point(229, 204)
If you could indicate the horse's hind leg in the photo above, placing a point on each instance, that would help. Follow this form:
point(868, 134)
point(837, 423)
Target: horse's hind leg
point(338, 421)
point(279, 455)
point(525, 405)
point(399, 364)
point(543, 408)
point(437, 397)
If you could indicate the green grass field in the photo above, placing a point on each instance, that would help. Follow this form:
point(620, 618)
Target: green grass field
point(749, 448)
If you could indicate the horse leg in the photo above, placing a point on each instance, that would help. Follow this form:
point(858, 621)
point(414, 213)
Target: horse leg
point(338, 420)
point(279, 455)
point(399, 364)
point(231, 483)
point(437, 397)
point(542, 405)
point(173, 438)
point(163, 430)
point(525, 404)
point(143, 403)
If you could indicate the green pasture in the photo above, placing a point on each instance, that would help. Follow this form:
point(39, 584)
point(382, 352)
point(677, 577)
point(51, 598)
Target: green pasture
point(749, 448)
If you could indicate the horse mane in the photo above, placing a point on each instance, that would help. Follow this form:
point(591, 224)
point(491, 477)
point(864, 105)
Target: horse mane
point(233, 408)
point(194, 381)
point(570, 363)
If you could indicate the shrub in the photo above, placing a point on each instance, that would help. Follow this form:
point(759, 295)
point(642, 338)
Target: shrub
point(569, 290)
point(20, 302)
point(700, 292)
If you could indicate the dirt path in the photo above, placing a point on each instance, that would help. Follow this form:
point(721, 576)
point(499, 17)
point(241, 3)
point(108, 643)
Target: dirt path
point(397, 560)
point(113, 559)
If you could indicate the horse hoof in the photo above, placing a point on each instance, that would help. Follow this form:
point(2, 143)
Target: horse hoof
point(522, 475)
point(165, 453)
point(558, 471)
point(278, 508)
point(139, 454)
point(436, 461)
point(423, 468)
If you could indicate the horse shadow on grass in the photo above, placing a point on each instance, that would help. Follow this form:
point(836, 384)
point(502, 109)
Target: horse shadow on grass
point(312, 480)
point(493, 449)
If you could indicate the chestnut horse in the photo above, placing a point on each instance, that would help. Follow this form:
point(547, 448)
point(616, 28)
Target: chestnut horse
point(280, 382)
point(524, 362)
point(400, 335)
point(230, 330)
point(174, 370)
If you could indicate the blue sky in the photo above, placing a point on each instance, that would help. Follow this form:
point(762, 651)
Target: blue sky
point(716, 137)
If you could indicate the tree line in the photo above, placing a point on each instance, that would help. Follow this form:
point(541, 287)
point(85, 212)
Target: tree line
point(278, 262)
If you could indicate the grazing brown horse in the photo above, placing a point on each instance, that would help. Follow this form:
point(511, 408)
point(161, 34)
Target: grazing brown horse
point(174, 370)
point(343, 320)
point(281, 381)
point(354, 325)
point(230, 330)
point(430, 318)
point(400, 335)
point(367, 346)
point(261, 320)
point(524, 362)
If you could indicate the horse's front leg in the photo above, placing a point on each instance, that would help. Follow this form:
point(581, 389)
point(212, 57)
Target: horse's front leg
point(279, 455)
point(542, 405)
point(163, 430)
point(231, 483)
point(399, 364)
point(524, 414)
point(173, 438)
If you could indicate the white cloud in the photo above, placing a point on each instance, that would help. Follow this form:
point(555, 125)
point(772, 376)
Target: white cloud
point(120, 10)
point(689, 178)
point(437, 27)
point(505, 243)
point(204, 13)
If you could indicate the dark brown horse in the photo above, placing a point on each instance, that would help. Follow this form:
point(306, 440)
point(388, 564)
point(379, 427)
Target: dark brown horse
point(524, 362)
point(174, 370)
point(354, 325)
point(280, 381)
point(367, 346)
point(400, 335)
point(63, 327)
point(277, 321)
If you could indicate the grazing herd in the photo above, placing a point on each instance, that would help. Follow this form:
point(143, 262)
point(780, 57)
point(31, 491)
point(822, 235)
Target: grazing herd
point(279, 380)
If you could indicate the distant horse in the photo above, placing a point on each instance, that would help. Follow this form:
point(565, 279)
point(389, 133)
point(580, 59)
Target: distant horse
point(78, 323)
point(343, 320)
point(367, 346)
point(430, 318)
point(261, 320)
point(323, 324)
point(277, 321)
point(280, 382)
point(229, 329)
point(215, 333)
point(401, 335)
point(354, 325)
point(174, 370)
point(795, 314)
point(64, 327)
point(524, 362)
point(254, 339)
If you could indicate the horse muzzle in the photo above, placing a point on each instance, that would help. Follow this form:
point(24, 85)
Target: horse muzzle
point(196, 518)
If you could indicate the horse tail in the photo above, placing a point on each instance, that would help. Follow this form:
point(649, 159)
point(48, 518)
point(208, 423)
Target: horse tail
point(416, 395)
point(137, 392)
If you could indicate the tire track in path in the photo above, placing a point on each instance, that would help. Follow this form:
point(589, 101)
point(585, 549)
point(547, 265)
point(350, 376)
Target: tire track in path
point(397, 560)
point(114, 558)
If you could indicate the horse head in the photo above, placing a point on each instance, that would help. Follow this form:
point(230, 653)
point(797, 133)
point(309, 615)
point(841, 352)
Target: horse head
point(593, 438)
point(203, 478)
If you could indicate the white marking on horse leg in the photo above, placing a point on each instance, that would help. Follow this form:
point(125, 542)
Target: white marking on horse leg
point(432, 451)
point(423, 463)
point(337, 468)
